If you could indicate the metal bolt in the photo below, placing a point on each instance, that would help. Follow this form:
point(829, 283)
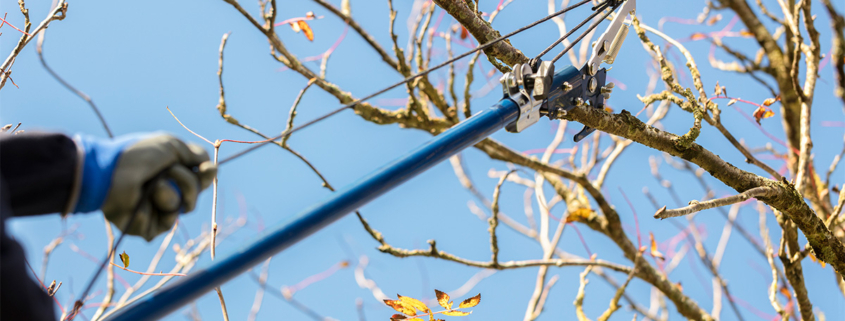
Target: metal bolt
point(566, 86)
point(607, 89)
point(561, 113)
point(592, 85)
point(577, 101)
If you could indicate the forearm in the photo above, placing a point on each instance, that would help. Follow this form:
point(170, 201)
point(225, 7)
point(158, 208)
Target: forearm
point(39, 170)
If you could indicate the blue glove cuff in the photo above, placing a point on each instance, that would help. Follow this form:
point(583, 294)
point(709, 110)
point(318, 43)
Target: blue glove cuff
point(100, 160)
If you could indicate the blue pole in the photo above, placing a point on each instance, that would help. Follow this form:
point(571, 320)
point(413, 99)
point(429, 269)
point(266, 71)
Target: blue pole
point(344, 201)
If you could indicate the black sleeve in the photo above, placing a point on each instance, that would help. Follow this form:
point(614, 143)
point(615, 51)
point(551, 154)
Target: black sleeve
point(38, 169)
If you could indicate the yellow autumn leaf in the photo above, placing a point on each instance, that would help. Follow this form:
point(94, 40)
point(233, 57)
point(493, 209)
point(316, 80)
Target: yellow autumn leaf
point(443, 299)
point(401, 306)
point(471, 302)
point(456, 313)
point(813, 257)
point(415, 319)
point(581, 214)
point(654, 252)
point(417, 304)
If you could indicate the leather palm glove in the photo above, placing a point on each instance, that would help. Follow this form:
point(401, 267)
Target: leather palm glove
point(157, 174)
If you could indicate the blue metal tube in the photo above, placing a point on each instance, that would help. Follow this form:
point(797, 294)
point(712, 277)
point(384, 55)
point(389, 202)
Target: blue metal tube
point(344, 201)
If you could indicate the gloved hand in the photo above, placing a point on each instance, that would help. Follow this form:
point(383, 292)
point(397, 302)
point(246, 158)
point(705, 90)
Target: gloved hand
point(118, 174)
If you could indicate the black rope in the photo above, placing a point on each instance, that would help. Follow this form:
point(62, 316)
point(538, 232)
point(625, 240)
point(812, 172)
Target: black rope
point(597, 10)
point(406, 80)
point(593, 26)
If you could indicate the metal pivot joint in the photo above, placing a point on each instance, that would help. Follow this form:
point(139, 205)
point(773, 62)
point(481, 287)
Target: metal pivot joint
point(528, 85)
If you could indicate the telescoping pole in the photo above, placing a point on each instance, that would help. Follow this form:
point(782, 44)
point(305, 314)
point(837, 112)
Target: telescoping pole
point(344, 201)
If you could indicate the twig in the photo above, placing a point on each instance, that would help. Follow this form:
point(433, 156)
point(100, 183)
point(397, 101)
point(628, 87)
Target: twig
point(39, 48)
point(614, 303)
point(696, 206)
point(579, 298)
point(5, 68)
point(145, 273)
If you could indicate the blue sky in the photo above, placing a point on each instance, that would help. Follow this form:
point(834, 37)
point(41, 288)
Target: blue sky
point(135, 58)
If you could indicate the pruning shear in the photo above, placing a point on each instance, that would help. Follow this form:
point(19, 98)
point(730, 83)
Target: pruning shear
point(540, 91)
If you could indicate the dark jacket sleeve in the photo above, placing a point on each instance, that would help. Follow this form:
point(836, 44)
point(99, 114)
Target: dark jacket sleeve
point(36, 177)
point(39, 171)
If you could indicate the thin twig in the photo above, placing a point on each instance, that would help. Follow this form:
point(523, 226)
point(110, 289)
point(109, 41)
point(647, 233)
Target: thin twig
point(696, 206)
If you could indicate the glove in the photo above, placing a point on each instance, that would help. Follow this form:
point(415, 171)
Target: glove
point(157, 174)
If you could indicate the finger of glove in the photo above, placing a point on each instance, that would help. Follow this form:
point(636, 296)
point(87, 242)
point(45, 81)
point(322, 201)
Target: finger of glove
point(140, 225)
point(189, 154)
point(188, 184)
point(165, 196)
point(207, 172)
point(166, 221)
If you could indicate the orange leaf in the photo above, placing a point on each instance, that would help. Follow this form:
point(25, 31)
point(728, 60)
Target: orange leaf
point(698, 36)
point(417, 304)
point(763, 112)
point(654, 252)
point(464, 33)
point(746, 33)
point(397, 317)
point(456, 313)
point(401, 306)
point(306, 29)
point(471, 302)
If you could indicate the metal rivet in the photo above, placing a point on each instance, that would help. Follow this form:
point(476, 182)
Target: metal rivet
point(593, 84)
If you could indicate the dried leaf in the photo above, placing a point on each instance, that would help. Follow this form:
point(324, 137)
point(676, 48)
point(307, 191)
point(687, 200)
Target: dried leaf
point(733, 101)
point(397, 316)
point(785, 292)
point(310, 15)
point(456, 313)
point(401, 306)
point(125, 259)
point(698, 36)
point(719, 89)
point(713, 20)
point(813, 257)
point(769, 101)
point(746, 33)
point(443, 299)
point(471, 302)
point(295, 27)
point(416, 319)
point(608, 109)
point(417, 304)
point(654, 252)
point(762, 112)
point(464, 33)
point(579, 215)
point(306, 29)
